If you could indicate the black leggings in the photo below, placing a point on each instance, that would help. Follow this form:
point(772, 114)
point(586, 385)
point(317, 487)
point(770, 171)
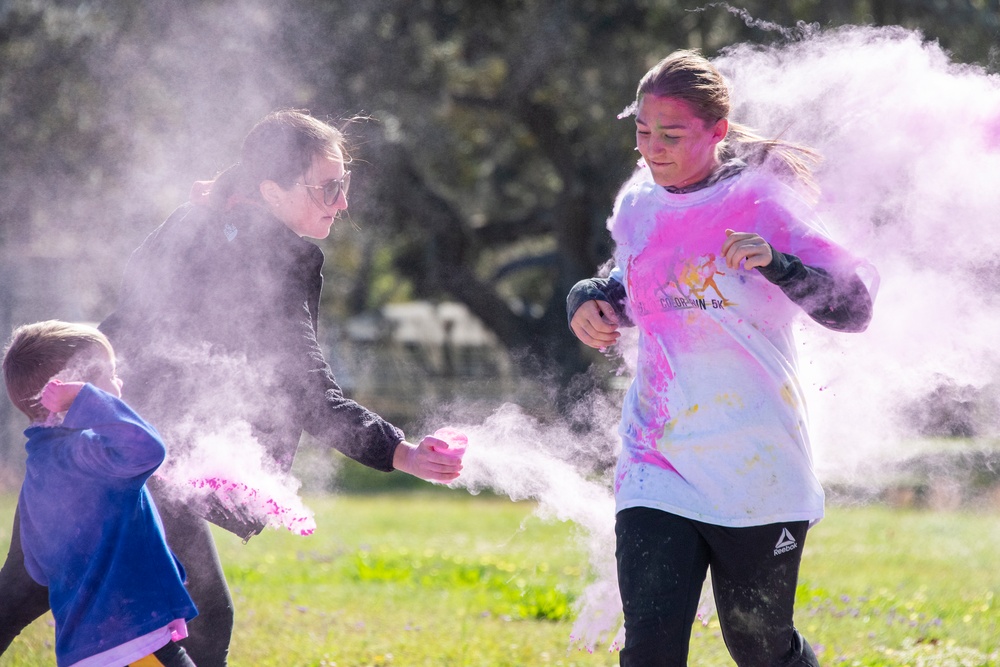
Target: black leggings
point(662, 562)
point(22, 600)
point(173, 655)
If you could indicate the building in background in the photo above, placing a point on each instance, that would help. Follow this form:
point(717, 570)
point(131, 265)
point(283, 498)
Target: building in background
point(407, 361)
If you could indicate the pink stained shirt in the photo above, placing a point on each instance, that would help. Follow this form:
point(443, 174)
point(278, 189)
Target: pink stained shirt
point(714, 424)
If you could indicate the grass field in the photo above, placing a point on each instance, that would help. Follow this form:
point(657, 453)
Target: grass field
point(451, 579)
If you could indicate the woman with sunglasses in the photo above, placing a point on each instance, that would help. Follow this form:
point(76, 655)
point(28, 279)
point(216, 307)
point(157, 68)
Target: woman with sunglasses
point(216, 329)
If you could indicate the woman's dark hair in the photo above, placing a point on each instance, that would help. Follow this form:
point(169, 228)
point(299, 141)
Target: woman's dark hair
point(279, 148)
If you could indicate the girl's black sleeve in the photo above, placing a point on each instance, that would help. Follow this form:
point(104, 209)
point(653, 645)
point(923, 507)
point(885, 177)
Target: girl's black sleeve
point(838, 302)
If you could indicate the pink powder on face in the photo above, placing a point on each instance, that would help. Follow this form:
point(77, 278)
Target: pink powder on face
point(457, 441)
point(238, 497)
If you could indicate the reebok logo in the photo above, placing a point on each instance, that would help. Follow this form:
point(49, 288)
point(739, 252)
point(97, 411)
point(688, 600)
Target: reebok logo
point(785, 543)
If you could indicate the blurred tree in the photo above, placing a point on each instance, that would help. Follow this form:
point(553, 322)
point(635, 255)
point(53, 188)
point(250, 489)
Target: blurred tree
point(108, 111)
point(485, 176)
point(496, 150)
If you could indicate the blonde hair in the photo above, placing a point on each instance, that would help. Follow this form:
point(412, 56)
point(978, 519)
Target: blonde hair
point(688, 76)
point(38, 352)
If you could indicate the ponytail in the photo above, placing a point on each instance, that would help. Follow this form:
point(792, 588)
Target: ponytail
point(789, 161)
point(227, 189)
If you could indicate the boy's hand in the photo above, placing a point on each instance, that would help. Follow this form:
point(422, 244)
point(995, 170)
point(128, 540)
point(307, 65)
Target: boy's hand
point(57, 396)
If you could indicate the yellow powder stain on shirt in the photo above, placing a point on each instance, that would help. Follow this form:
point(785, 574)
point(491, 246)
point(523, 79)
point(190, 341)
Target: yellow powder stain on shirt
point(732, 400)
point(788, 396)
point(672, 424)
point(749, 464)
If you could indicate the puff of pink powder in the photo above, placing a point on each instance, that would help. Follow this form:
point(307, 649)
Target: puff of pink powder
point(237, 495)
point(457, 441)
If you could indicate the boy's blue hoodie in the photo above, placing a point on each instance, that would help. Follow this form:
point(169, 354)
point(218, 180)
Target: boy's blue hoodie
point(90, 531)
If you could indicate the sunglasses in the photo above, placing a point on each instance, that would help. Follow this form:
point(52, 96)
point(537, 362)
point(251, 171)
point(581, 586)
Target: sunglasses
point(332, 189)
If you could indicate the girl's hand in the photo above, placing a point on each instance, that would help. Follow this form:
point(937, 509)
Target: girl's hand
point(595, 324)
point(57, 396)
point(749, 248)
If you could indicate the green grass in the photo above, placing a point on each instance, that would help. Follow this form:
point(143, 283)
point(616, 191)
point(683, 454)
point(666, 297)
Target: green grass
point(450, 579)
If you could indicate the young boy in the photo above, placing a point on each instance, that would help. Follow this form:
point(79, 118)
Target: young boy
point(89, 529)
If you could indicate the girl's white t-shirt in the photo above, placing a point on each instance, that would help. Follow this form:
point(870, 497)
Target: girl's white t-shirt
point(714, 423)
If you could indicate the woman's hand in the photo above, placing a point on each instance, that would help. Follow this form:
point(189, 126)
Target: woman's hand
point(423, 462)
point(749, 248)
point(596, 324)
point(57, 396)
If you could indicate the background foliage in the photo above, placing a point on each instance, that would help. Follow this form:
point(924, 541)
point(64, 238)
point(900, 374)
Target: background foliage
point(484, 173)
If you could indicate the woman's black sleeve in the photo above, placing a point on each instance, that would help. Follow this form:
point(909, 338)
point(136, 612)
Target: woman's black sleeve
point(598, 289)
point(327, 414)
point(838, 302)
